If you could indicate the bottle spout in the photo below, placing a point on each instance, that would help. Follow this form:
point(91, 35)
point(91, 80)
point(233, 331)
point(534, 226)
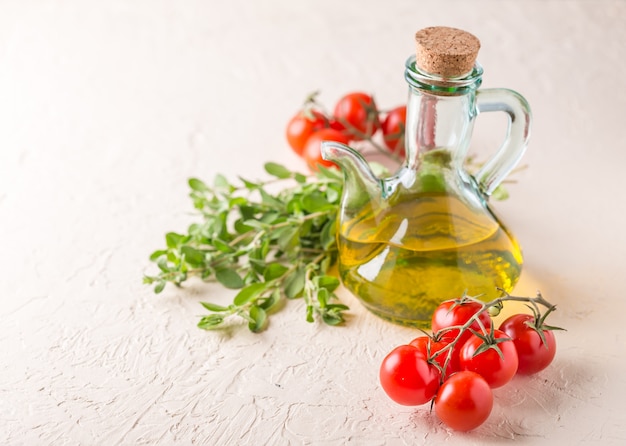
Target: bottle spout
point(356, 170)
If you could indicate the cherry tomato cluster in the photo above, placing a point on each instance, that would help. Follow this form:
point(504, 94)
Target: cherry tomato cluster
point(464, 359)
point(355, 117)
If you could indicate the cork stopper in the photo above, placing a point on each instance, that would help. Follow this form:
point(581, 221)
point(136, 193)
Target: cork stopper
point(446, 52)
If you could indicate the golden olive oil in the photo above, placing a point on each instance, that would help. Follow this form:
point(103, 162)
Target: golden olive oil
point(405, 259)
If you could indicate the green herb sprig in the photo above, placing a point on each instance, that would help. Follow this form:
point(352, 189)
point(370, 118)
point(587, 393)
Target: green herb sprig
point(269, 246)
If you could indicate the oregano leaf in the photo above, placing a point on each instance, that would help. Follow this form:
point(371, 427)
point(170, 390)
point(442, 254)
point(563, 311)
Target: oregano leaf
point(289, 240)
point(210, 321)
point(221, 182)
point(229, 278)
point(294, 283)
point(173, 240)
point(156, 254)
point(277, 170)
point(213, 307)
point(197, 185)
point(248, 293)
point(274, 271)
point(159, 287)
point(222, 245)
point(322, 297)
point(259, 319)
point(269, 302)
point(330, 283)
point(332, 318)
point(316, 202)
point(192, 255)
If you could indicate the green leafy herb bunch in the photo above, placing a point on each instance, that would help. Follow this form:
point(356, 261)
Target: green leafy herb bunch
point(268, 246)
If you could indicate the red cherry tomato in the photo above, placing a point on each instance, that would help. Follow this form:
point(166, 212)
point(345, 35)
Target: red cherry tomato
point(452, 313)
point(464, 401)
point(534, 355)
point(429, 347)
point(358, 115)
point(497, 369)
point(334, 124)
point(393, 130)
point(302, 126)
point(407, 377)
point(312, 150)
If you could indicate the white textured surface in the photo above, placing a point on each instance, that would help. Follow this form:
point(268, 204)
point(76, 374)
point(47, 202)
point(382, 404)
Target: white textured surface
point(106, 108)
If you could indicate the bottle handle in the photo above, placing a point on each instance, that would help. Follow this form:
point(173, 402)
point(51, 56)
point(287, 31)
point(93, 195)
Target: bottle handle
point(491, 174)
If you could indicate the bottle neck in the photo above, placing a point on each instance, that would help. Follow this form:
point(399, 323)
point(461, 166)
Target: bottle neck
point(440, 114)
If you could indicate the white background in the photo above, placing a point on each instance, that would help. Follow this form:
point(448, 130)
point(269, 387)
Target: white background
point(106, 108)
